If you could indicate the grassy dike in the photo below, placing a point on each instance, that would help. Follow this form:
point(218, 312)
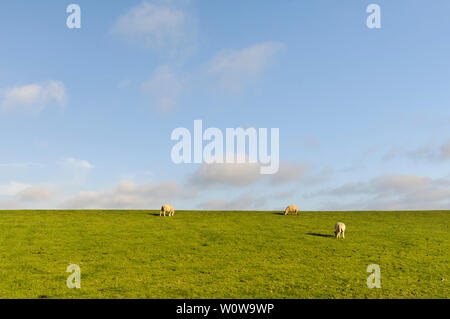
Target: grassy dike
point(137, 254)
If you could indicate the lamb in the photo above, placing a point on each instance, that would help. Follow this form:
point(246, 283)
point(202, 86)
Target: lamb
point(291, 209)
point(339, 229)
point(167, 209)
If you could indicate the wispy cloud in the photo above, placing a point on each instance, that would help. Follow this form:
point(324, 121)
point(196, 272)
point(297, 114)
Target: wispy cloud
point(163, 89)
point(246, 174)
point(289, 172)
point(444, 151)
point(77, 163)
point(159, 25)
point(19, 194)
point(237, 68)
point(428, 152)
point(12, 188)
point(391, 192)
point(78, 168)
point(39, 193)
point(33, 97)
point(131, 195)
point(235, 175)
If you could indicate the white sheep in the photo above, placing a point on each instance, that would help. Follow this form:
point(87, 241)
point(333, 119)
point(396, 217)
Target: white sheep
point(291, 209)
point(339, 229)
point(167, 209)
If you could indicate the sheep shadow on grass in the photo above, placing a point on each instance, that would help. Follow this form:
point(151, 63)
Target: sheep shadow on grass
point(320, 235)
point(153, 214)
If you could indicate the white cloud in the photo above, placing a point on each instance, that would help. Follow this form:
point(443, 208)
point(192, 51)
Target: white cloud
point(33, 97)
point(158, 25)
point(21, 192)
point(245, 174)
point(225, 175)
point(12, 188)
point(9, 204)
point(394, 192)
point(36, 194)
point(380, 186)
point(163, 89)
point(78, 168)
point(400, 183)
point(236, 68)
point(130, 195)
point(77, 163)
point(246, 201)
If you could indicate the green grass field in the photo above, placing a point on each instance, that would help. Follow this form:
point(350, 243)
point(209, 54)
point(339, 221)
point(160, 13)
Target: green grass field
point(137, 254)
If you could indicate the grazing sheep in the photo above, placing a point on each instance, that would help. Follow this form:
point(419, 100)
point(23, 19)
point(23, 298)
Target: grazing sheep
point(167, 209)
point(339, 229)
point(291, 209)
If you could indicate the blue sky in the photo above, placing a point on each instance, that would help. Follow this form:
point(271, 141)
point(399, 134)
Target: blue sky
point(86, 114)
